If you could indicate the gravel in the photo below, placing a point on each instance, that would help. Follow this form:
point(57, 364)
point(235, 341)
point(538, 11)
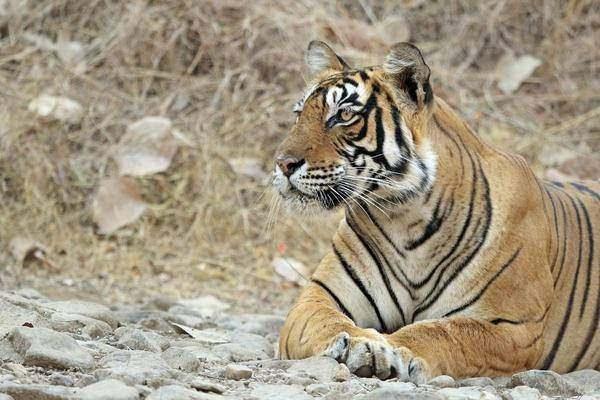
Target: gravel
point(194, 350)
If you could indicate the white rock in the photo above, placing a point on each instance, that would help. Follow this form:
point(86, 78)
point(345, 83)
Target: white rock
point(205, 306)
point(85, 308)
point(467, 393)
point(237, 372)
point(37, 392)
point(176, 392)
point(137, 339)
point(324, 369)
point(280, 392)
point(108, 389)
point(57, 108)
point(117, 203)
point(181, 359)
point(442, 381)
point(133, 367)
point(522, 393)
point(46, 348)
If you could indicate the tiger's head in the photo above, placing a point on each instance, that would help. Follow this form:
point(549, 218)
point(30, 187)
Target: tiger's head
point(359, 136)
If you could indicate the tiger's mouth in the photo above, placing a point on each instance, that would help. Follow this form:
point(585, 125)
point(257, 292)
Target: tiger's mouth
point(328, 198)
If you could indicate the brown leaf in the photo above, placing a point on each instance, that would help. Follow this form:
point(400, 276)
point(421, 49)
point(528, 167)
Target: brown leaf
point(147, 148)
point(116, 203)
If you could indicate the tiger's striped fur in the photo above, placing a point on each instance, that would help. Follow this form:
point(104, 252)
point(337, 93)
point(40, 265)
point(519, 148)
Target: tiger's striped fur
point(452, 257)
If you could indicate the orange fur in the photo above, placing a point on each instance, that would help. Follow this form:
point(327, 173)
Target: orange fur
point(528, 296)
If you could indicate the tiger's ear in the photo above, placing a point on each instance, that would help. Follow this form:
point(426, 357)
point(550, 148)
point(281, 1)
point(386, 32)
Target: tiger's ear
point(406, 66)
point(321, 57)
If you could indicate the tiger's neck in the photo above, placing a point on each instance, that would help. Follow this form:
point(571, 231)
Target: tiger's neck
point(439, 229)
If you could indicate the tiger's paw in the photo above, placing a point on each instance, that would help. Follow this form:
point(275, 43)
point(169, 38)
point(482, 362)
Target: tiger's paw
point(374, 356)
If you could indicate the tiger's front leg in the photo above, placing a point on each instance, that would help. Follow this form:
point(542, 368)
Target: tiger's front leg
point(458, 347)
point(316, 326)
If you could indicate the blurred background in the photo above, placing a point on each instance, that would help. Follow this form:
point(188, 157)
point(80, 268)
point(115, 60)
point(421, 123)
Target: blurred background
point(136, 137)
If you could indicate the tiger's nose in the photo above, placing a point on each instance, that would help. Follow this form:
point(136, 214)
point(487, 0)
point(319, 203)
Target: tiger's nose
point(288, 165)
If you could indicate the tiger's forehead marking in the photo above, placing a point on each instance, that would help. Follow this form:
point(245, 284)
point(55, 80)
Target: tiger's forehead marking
point(336, 88)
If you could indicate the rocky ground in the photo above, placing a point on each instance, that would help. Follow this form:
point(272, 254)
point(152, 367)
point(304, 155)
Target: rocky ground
point(194, 349)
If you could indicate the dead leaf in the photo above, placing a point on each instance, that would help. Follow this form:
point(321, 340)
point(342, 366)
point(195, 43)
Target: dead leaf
point(147, 148)
point(513, 71)
point(205, 336)
point(25, 250)
point(57, 108)
point(116, 203)
point(291, 270)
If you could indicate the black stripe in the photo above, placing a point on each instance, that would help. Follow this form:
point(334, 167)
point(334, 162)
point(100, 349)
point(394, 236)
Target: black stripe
point(334, 297)
point(352, 274)
point(497, 321)
point(384, 234)
point(594, 325)
point(585, 189)
point(552, 355)
point(379, 264)
point(590, 234)
point(487, 285)
point(433, 226)
point(564, 241)
point(555, 228)
point(478, 237)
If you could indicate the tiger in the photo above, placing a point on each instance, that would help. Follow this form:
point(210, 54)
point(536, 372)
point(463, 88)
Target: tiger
point(452, 257)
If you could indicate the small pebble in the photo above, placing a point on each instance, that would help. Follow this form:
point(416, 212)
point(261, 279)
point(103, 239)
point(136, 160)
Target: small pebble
point(237, 372)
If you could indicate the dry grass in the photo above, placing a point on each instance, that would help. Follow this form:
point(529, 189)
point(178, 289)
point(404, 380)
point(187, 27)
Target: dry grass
point(227, 72)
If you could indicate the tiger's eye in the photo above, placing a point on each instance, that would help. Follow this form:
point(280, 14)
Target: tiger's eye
point(346, 115)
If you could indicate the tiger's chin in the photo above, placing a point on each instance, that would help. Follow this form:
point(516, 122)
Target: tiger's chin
point(297, 202)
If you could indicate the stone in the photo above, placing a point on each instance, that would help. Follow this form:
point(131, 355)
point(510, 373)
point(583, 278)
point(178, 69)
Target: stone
point(108, 389)
point(205, 385)
point(501, 381)
point(549, 383)
point(87, 309)
point(260, 324)
point(181, 359)
point(279, 392)
point(521, 393)
point(61, 379)
point(204, 306)
point(324, 369)
point(586, 380)
point(176, 392)
point(46, 348)
point(237, 352)
point(5, 397)
point(391, 393)
point(17, 311)
point(237, 372)
point(342, 374)
point(133, 367)
point(75, 323)
point(136, 339)
point(479, 381)
point(318, 389)
point(468, 393)
point(442, 381)
point(37, 392)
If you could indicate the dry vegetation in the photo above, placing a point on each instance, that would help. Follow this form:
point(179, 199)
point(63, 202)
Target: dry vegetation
point(226, 73)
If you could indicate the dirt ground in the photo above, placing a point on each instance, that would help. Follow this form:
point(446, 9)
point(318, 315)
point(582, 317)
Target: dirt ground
point(226, 74)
